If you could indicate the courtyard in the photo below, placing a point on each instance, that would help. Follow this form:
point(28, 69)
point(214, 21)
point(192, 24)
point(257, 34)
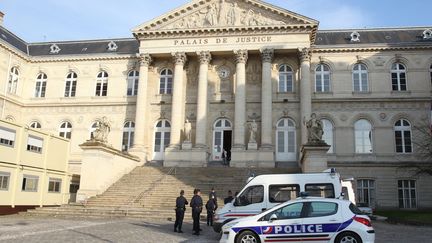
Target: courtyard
point(35, 229)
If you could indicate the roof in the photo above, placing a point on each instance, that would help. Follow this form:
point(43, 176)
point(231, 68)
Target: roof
point(12, 39)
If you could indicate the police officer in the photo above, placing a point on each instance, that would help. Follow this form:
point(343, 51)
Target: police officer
point(180, 209)
point(230, 197)
point(196, 205)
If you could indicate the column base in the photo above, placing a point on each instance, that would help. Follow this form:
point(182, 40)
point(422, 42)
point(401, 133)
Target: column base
point(252, 146)
point(186, 145)
point(186, 158)
point(314, 158)
point(252, 158)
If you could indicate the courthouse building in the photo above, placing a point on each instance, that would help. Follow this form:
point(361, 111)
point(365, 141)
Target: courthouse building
point(245, 76)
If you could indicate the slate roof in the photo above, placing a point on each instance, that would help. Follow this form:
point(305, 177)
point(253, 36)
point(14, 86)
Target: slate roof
point(409, 36)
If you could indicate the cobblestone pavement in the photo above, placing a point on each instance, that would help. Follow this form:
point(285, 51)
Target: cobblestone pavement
point(24, 229)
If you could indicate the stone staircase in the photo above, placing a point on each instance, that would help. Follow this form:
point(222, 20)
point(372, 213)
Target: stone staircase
point(150, 192)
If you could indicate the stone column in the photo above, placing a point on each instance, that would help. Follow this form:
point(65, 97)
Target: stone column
point(201, 123)
point(140, 135)
point(305, 92)
point(178, 103)
point(240, 99)
point(266, 99)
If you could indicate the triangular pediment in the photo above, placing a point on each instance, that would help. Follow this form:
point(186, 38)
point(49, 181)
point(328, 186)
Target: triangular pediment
point(224, 14)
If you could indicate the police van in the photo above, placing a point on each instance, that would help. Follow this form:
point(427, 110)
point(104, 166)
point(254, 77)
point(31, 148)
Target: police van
point(266, 191)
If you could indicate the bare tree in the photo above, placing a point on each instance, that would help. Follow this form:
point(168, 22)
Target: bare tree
point(422, 141)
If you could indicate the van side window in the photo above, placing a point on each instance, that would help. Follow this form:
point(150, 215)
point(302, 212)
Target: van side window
point(320, 209)
point(283, 193)
point(320, 190)
point(253, 194)
point(291, 211)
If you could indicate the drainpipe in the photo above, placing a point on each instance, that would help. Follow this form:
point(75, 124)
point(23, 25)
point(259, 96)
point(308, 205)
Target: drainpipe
point(5, 87)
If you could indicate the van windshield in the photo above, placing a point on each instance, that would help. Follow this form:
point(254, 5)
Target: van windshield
point(252, 195)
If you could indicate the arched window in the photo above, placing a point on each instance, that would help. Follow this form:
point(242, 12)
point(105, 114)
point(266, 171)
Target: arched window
point(65, 130)
point(35, 125)
point(161, 139)
point(322, 78)
point(402, 130)
point(93, 128)
point(102, 84)
point(166, 82)
point(286, 145)
point(222, 139)
point(286, 79)
point(40, 88)
point(399, 80)
point(13, 80)
point(360, 78)
point(132, 80)
point(328, 133)
point(363, 136)
point(128, 135)
point(71, 83)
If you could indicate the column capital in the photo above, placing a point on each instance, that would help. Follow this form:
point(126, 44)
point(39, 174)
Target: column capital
point(304, 54)
point(241, 56)
point(267, 55)
point(204, 57)
point(144, 59)
point(180, 58)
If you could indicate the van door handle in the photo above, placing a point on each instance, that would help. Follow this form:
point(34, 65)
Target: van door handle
point(333, 220)
point(263, 209)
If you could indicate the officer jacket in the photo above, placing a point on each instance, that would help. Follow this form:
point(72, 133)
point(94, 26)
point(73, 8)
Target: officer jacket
point(181, 203)
point(196, 203)
point(211, 205)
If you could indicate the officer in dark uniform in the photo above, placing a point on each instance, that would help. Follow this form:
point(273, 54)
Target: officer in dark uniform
point(196, 205)
point(180, 209)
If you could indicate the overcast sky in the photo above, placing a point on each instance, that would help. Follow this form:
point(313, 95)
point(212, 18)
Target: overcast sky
point(54, 20)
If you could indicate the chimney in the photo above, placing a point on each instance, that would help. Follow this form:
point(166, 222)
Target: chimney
point(1, 18)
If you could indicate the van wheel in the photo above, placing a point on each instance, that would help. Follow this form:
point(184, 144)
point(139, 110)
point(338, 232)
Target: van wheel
point(247, 237)
point(348, 237)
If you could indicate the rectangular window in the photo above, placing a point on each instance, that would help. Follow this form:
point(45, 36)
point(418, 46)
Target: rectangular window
point(320, 190)
point(34, 144)
point(30, 183)
point(407, 194)
point(54, 185)
point(366, 192)
point(7, 137)
point(251, 195)
point(70, 89)
point(321, 209)
point(283, 193)
point(4, 180)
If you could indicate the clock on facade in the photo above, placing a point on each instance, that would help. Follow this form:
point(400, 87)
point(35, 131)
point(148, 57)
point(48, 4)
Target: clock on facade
point(224, 72)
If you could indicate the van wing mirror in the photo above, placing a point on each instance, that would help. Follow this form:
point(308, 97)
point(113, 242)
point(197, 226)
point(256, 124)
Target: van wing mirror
point(236, 201)
point(273, 217)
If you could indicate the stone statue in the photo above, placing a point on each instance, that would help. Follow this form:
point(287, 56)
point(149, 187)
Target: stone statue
point(188, 131)
point(234, 15)
point(210, 16)
point(103, 128)
point(253, 128)
point(314, 130)
point(223, 13)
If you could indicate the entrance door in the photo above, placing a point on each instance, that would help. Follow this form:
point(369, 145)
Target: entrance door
point(222, 138)
point(161, 139)
point(285, 140)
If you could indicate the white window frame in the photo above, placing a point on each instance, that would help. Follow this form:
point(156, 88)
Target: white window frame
point(358, 73)
point(162, 127)
point(4, 181)
point(66, 131)
point(102, 84)
point(128, 135)
point(371, 191)
point(13, 80)
point(7, 137)
point(56, 184)
point(321, 73)
point(398, 71)
point(26, 179)
point(286, 155)
point(165, 76)
point(132, 83)
point(287, 75)
point(41, 83)
point(34, 144)
point(407, 202)
point(402, 129)
point(360, 136)
point(328, 137)
point(71, 84)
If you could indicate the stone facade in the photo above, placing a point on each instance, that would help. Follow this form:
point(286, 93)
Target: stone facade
point(222, 65)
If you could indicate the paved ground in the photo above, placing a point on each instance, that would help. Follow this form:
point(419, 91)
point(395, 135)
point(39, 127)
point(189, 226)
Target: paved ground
point(21, 229)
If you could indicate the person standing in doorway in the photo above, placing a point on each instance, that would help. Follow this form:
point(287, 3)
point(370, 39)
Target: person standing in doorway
point(196, 205)
point(211, 207)
point(180, 209)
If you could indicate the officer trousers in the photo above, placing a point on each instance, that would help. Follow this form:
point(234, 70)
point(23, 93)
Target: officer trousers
point(179, 218)
point(210, 218)
point(196, 219)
